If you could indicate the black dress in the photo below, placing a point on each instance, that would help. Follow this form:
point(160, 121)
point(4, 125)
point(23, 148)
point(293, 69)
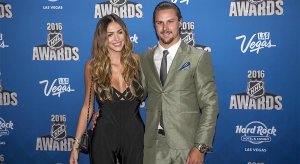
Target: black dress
point(119, 133)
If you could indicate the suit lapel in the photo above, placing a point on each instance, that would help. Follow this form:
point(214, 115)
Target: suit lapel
point(177, 61)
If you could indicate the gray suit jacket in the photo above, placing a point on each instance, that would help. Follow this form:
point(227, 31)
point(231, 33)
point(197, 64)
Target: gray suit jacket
point(188, 99)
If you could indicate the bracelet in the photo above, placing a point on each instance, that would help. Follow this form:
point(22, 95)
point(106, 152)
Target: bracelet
point(76, 141)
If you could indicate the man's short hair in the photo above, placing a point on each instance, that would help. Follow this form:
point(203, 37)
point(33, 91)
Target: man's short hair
point(166, 5)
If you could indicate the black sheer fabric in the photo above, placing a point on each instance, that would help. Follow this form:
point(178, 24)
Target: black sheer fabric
point(119, 132)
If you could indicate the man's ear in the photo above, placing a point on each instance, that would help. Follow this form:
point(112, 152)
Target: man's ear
point(180, 23)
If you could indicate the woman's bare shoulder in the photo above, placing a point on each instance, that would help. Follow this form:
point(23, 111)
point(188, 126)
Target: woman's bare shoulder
point(88, 66)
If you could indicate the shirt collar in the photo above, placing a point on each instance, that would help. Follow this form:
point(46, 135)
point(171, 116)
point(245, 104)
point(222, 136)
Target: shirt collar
point(172, 50)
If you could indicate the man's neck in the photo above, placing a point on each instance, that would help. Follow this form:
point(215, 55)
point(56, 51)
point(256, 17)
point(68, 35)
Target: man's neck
point(166, 46)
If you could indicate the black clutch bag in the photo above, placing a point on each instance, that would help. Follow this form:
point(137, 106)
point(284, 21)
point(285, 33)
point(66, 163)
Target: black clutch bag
point(85, 142)
point(86, 138)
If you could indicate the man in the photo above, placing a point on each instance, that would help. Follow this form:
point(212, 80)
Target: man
point(182, 105)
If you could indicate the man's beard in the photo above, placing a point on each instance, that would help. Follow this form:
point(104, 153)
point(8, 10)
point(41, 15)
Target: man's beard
point(169, 40)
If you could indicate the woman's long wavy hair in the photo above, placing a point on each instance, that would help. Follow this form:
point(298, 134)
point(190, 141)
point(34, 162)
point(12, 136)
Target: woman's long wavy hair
point(101, 64)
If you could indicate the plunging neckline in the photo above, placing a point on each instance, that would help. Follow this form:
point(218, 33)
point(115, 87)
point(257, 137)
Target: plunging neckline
point(118, 90)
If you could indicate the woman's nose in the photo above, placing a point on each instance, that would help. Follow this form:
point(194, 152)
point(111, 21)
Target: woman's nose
point(116, 37)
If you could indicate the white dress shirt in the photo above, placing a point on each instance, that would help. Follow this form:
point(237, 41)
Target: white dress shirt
point(158, 55)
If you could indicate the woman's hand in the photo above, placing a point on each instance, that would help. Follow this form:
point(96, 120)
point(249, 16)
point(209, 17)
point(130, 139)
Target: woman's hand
point(74, 154)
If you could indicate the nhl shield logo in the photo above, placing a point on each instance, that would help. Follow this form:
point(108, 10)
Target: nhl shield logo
point(58, 131)
point(188, 37)
point(55, 40)
point(118, 3)
point(255, 89)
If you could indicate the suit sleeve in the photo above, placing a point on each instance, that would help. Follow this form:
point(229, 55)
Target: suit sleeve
point(144, 82)
point(207, 100)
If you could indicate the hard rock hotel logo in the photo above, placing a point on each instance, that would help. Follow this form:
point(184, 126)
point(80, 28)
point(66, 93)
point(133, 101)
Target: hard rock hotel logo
point(188, 35)
point(256, 132)
point(256, 7)
point(7, 98)
point(256, 97)
point(5, 127)
point(257, 42)
point(55, 49)
point(134, 39)
point(57, 140)
point(122, 8)
point(5, 10)
point(57, 87)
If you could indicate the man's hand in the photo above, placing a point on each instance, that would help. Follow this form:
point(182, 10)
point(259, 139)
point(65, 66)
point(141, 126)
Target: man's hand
point(96, 115)
point(195, 157)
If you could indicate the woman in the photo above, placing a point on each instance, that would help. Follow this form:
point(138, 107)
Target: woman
point(114, 74)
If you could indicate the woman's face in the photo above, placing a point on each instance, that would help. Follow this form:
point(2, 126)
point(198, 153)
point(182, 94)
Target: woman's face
point(115, 37)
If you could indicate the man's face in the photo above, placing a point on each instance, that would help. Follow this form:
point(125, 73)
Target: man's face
point(167, 27)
